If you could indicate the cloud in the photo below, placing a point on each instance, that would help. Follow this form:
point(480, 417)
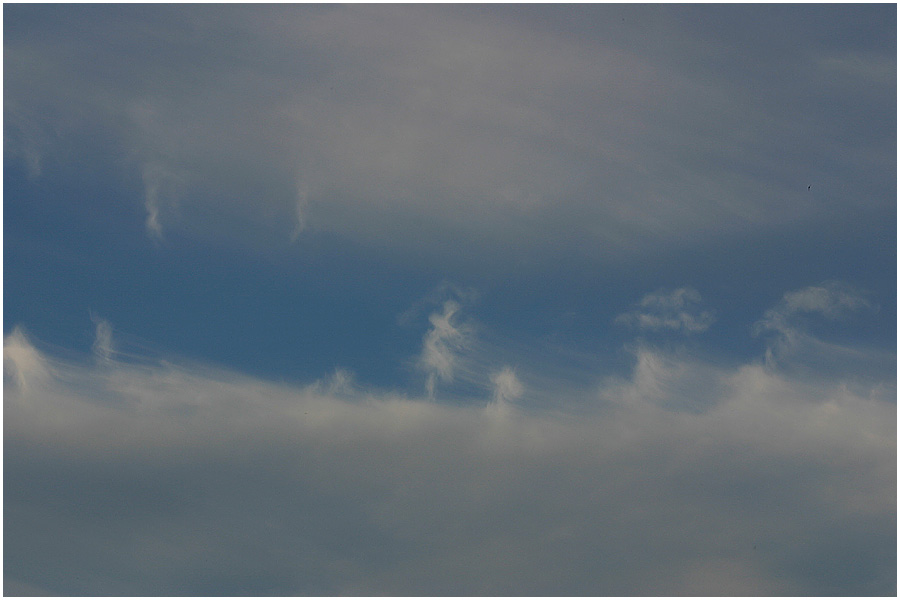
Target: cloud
point(22, 362)
point(184, 479)
point(341, 383)
point(673, 310)
point(443, 291)
point(23, 142)
point(103, 339)
point(555, 136)
point(832, 300)
point(486, 143)
point(671, 381)
point(790, 343)
point(160, 185)
point(441, 345)
point(455, 352)
point(154, 228)
point(507, 388)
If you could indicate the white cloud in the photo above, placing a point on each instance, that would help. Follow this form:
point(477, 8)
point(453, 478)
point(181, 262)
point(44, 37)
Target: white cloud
point(22, 362)
point(341, 383)
point(507, 388)
point(674, 310)
point(174, 473)
point(670, 381)
point(441, 346)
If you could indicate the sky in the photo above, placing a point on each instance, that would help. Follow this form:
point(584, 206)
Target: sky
point(450, 300)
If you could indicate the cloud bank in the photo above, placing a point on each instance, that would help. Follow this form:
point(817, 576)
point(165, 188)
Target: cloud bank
point(684, 477)
point(387, 125)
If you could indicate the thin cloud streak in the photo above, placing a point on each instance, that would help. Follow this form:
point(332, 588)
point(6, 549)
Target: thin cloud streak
point(103, 340)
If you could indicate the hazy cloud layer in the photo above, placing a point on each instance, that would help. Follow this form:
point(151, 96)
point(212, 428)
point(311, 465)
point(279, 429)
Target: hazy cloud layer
point(601, 130)
point(683, 477)
point(274, 189)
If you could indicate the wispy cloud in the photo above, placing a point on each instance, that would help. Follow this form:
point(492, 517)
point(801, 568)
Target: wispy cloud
point(789, 339)
point(441, 345)
point(675, 310)
point(341, 383)
point(675, 382)
point(159, 190)
point(507, 388)
point(832, 300)
point(22, 362)
point(436, 297)
point(103, 339)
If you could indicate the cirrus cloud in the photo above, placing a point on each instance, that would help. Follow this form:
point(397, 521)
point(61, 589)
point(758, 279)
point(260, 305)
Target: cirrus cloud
point(674, 310)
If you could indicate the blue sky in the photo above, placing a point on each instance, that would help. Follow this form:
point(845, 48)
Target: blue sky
point(450, 299)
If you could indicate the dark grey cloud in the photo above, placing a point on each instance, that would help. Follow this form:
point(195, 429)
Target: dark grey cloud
point(603, 129)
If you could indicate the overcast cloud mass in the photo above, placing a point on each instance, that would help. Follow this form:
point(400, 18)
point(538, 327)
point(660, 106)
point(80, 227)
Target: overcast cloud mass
point(457, 300)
